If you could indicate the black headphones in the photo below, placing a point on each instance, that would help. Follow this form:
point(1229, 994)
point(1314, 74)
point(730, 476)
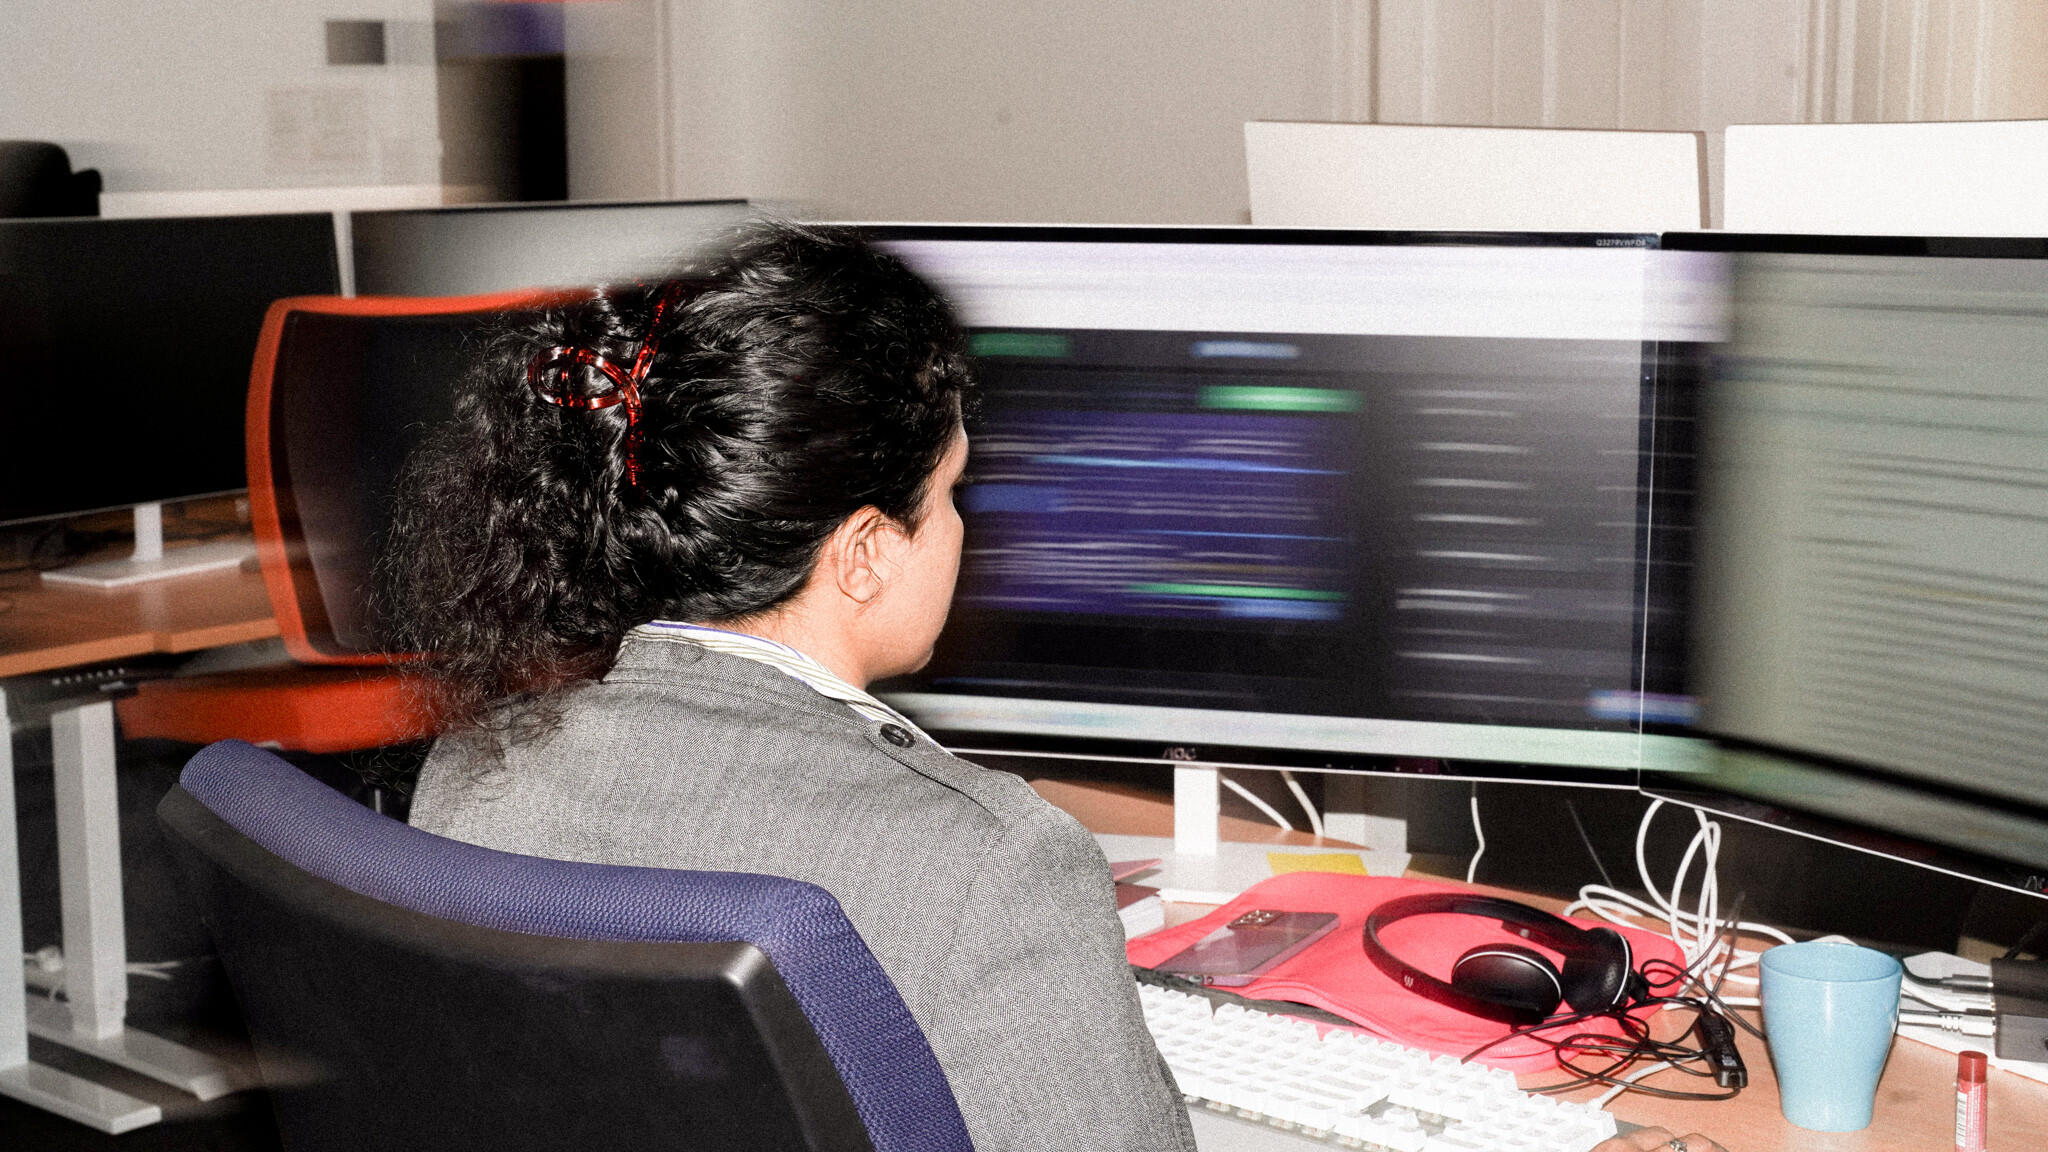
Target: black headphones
point(1508, 982)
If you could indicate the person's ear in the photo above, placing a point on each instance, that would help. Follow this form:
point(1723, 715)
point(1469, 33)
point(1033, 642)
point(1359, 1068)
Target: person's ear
point(860, 555)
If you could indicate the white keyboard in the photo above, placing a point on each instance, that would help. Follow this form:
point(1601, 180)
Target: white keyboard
point(1352, 1091)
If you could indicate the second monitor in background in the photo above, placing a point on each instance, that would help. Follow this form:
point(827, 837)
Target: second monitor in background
point(124, 361)
point(473, 250)
point(1305, 499)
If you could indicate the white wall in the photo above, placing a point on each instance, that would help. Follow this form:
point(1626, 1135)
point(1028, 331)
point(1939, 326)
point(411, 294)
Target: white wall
point(616, 83)
point(938, 109)
point(1065, 110)
point(1671, 65)
point(1701, 65)
point(1894, 60)
point(1689, 65)
point(197, 94)
point(1062, 110)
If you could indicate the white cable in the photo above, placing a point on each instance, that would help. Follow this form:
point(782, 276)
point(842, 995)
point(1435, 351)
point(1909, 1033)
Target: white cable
point(1612, 905)
point(43, 969)
point(1696, 932)
point(1272, 813)
point(154, 969)
point(1478, 830)
point(1629, 1079)
point(1315, 818)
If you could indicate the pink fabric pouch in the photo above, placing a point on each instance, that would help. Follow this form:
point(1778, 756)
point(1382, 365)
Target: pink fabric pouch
point(1334, 974)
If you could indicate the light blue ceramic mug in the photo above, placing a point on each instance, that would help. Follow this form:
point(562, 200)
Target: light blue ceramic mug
point(1830, 1010)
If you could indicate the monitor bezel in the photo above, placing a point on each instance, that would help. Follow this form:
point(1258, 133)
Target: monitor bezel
point(1693, 791)
point(1830, 244)
point(1250, 234)
point(1140, 751)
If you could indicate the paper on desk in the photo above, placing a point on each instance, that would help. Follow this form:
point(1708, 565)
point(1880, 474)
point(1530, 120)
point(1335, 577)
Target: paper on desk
point(1345, 863)
point(1235, 867)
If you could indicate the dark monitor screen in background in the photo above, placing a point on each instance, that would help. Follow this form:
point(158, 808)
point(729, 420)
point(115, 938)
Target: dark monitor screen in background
point(1871, 623)
point(1300, 498)
point(468, 251)
point(125, 348)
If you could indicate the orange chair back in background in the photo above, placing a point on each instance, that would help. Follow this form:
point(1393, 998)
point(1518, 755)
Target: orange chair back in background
point(341, 389)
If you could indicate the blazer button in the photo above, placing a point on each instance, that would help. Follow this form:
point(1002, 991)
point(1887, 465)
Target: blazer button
point(897, 736)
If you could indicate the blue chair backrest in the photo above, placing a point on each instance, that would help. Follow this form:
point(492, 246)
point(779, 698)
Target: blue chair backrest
point(860, 1019)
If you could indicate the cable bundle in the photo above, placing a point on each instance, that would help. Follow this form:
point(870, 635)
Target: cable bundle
point(1706, 940)
point(1698, 933)
point(1712, 958)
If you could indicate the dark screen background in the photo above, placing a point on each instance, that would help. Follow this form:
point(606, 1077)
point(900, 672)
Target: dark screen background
point(125, 348)
point(1427, 528)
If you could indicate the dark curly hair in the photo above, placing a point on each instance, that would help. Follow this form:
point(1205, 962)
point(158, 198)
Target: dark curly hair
point(803, 376)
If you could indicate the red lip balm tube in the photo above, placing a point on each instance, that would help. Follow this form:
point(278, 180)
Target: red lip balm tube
point(1970, 1102)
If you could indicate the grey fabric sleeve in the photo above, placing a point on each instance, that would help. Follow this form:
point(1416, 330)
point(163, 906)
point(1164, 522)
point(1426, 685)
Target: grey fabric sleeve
point(1041, 1035)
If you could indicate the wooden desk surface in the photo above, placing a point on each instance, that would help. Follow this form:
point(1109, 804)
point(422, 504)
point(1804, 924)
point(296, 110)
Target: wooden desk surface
point(1915, 1099)
point(48, 626)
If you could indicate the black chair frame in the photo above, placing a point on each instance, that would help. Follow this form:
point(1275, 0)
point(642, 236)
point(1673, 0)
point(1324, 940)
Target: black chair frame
point(376, 1026)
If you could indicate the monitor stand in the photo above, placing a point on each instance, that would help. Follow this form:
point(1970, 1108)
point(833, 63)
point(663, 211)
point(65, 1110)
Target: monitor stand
point(150, 561)
point(1197, 866)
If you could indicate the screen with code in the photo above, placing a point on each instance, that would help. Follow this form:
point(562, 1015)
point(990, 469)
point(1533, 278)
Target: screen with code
point(1378, 500)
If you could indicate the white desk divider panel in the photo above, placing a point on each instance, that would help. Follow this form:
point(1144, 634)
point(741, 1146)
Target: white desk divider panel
point(1425, 178)
point(1981, 178)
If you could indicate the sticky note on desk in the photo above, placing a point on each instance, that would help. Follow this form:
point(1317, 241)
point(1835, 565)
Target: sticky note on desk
point(1347, 863)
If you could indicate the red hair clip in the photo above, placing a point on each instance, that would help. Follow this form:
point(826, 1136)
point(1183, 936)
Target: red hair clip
point(549, 377)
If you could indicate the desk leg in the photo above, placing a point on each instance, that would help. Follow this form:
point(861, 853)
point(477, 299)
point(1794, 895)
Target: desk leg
point(89, 869)
point(44, 1087)
point(1196, 809)
point(91, 1020)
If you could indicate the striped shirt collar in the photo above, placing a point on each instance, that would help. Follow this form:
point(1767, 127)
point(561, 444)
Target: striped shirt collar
point(780, 657)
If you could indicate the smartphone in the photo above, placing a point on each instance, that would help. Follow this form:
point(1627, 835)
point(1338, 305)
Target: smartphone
point(1248, 947)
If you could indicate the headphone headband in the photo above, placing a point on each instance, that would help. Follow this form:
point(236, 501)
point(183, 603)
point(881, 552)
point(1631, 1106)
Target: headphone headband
point(1529, 923)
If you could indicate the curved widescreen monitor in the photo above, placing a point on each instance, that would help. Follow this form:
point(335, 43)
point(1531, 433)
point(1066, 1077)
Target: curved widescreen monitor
point(1300, 498)
point(1870, 636)
point(125, 348)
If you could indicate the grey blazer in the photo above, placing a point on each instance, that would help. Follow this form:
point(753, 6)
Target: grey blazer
point(990, 909)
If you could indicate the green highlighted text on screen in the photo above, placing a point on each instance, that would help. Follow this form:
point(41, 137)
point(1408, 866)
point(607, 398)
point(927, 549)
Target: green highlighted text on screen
point(1271, 398)
point(1239, 591)
point(1047, 344)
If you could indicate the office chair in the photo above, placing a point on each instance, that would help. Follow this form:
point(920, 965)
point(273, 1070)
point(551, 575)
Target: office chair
point(406, 991)
point(340, 391)
point(36, 180)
